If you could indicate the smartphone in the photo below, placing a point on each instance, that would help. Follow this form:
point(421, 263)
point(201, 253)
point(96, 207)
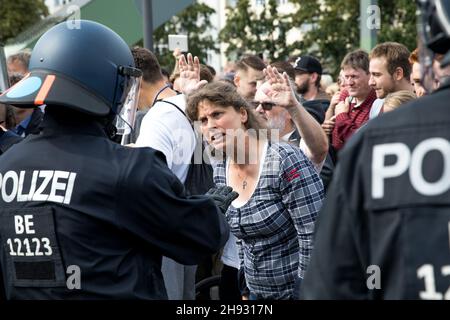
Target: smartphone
point(350, 99)
point(344, 95)
point(178, 41)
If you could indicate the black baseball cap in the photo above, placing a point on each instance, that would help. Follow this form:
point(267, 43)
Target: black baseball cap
point(308, 64)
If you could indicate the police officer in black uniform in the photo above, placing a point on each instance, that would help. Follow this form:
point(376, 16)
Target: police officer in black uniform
point(384, 231)
point(82, 217)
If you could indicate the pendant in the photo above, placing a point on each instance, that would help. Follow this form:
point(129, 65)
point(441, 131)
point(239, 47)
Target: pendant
point(244, 184)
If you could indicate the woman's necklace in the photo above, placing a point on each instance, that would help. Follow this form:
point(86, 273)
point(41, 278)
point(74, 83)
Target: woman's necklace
point(244, 180)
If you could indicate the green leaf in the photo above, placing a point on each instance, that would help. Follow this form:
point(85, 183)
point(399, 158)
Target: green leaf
point(18, 15)
point(333, 29)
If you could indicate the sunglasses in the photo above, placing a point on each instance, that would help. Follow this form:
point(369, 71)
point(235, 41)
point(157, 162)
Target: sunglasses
point(265, 105)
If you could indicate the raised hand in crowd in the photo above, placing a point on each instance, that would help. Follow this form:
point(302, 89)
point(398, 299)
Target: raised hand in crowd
point(177, 53)
point(280, 91)
point(190, 74)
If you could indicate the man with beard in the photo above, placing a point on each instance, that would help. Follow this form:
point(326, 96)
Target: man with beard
point(308, 73)
point(294, 123)
point(389, 68)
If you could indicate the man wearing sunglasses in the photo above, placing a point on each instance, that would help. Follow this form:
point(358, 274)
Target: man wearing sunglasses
point(295, 125)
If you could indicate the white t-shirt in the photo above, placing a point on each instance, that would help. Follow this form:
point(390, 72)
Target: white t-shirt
point(166, 129)
point(376, 108)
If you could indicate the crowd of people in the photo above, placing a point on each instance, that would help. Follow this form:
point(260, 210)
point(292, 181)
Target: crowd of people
point(297, 205)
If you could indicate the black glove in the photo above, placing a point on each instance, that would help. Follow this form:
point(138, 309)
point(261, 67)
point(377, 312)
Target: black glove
point(222, 196)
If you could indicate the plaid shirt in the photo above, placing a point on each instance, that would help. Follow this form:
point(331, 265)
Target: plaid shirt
point(348, 122)
point(275, 227)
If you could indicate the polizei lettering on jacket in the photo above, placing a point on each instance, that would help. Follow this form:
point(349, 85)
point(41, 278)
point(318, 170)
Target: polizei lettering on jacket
point(411, 160)
point(39, 185)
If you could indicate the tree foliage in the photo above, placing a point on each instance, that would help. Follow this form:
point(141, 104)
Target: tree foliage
point(398, 22)
point(18, 15)
point(194, 22)
point(335, 27)
point(247, 31)
point(236, 33)
point(332, 28)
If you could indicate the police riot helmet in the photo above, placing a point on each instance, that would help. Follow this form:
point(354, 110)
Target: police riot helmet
point(434, 24)
point(434, 37)
point(84, 66)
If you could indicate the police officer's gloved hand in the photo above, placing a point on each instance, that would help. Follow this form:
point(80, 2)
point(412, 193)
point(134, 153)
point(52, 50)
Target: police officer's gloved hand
point(223, 196)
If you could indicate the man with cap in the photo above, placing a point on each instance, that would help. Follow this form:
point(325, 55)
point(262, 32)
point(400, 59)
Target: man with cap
point(308, 73)
point(82, 217)
point(383, 232)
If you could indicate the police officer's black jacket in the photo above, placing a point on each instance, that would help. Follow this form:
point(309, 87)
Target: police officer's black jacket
point(73, 203)
point(384, 229)
point(8, 139)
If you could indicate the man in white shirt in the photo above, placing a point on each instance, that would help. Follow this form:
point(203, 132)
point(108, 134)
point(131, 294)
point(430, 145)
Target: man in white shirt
point(166, 128)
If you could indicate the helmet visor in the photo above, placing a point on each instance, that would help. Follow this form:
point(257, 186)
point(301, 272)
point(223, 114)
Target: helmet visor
point(126, 115)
